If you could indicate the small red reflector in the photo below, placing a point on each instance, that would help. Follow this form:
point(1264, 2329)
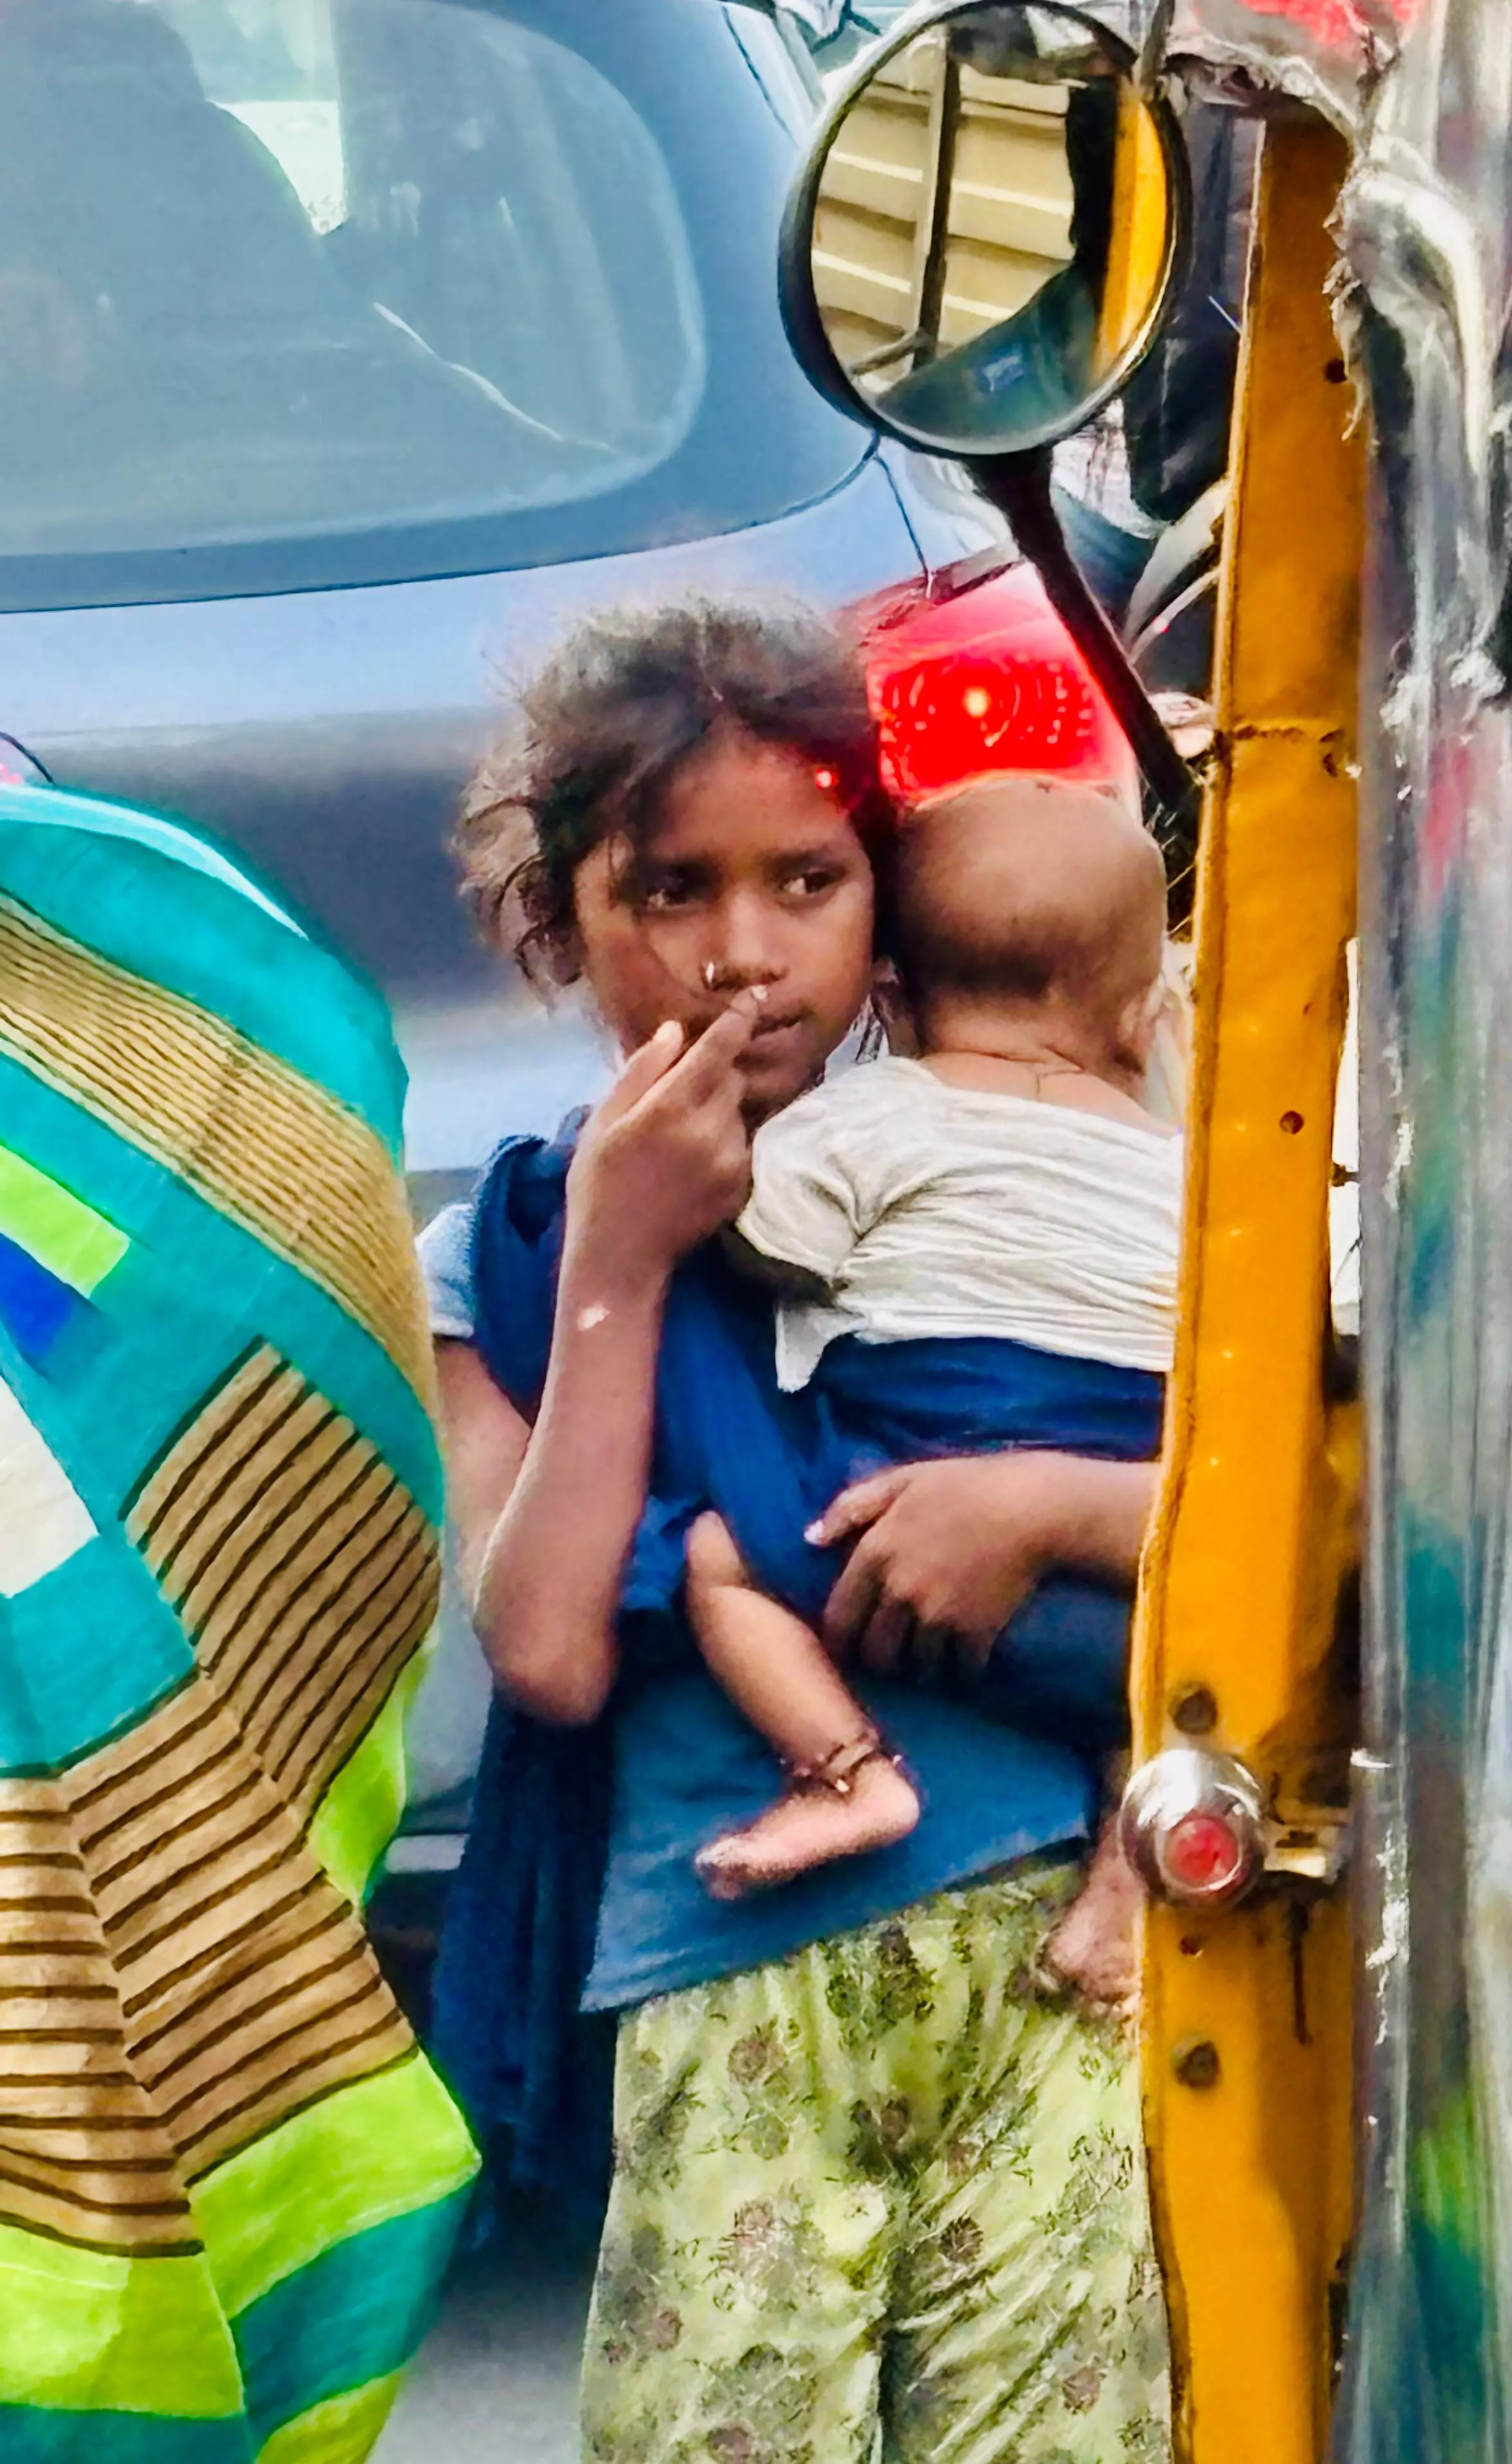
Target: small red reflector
point(1200, 1852)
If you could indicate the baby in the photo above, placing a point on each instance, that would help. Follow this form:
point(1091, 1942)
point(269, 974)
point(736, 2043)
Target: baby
point(1002, 1211)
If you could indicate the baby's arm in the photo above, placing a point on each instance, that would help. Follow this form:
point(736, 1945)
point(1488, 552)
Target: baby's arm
point(781, 1276)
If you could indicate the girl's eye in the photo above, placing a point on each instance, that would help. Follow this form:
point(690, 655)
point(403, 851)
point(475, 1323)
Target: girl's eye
point(811, 882)
point(667, 892)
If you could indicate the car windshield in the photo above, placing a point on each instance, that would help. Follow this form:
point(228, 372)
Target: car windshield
point(295, 293)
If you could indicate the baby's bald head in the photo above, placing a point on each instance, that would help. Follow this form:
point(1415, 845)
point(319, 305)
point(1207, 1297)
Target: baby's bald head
point(1033, 893)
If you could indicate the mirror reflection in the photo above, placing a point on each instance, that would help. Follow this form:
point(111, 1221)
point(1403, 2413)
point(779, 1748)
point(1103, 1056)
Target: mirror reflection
point(993, 230)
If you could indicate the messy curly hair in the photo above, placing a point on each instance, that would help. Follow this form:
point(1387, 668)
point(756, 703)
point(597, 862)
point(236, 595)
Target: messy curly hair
point(599, 734)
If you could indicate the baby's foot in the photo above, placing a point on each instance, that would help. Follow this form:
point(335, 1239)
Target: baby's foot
point(811, 1826)
point(1095, 1948)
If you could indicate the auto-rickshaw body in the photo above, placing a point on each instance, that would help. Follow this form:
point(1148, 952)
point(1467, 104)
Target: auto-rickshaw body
point(1323, 1798)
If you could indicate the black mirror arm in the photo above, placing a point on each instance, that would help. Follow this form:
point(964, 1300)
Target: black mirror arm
point(1018, 486)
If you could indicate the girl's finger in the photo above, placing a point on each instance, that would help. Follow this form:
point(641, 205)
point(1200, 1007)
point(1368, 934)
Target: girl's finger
point(851, 1603)
point(973, 1650)
point(932, 1649)
point(722, 1042)
point(644, 1070)
point(703, 1071)
point(857, 1508)
point(887, 1637)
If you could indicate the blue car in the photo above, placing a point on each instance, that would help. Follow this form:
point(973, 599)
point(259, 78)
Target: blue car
point(348, 348)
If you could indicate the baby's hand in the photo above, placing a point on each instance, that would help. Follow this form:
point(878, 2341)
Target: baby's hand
point(1095, 1948)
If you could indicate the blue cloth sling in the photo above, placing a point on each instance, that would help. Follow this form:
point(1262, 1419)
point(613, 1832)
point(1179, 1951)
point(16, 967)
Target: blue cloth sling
point(520, 1927)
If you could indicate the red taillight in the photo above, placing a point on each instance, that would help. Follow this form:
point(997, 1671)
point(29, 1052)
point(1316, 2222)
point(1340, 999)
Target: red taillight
point(988, 679)
point(948, 719)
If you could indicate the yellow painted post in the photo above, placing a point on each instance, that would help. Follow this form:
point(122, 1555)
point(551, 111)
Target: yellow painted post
point(1247, 2052)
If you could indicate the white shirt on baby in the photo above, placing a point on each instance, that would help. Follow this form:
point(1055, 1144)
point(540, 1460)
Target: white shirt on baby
point(937, 1210)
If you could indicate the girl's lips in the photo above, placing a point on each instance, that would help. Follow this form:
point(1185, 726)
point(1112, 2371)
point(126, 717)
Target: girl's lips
point(777, 1021)
point(771, 1038)
point(767, 1028)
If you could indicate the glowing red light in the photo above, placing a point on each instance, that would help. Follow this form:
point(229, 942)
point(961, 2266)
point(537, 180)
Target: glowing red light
point(824, 778)
point(1200, 1852)
point(987, 681)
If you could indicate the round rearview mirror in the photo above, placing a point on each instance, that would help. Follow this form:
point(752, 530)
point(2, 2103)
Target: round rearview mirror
point(979, 248)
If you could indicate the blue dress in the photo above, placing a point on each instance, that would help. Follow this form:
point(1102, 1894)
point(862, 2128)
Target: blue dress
point(524, 1923)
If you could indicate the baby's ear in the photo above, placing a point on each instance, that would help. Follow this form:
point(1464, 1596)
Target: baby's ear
point(890, 1002)
point(1139, 1025)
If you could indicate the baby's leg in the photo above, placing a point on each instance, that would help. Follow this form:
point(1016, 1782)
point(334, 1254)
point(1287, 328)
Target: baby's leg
point(1096, 1944)
point(844, 1794)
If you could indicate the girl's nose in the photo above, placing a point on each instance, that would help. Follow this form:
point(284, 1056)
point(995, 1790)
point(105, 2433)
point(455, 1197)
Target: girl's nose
point(735, 975)
point(744, 951)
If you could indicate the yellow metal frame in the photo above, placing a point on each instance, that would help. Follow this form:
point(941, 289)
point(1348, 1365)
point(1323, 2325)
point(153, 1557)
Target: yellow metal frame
point(1247, 2018)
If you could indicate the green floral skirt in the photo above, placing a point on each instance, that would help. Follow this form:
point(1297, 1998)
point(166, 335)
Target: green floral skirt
point(880, 2199)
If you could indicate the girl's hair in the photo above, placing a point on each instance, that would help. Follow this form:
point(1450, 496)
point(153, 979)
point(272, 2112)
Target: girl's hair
point(628, 700)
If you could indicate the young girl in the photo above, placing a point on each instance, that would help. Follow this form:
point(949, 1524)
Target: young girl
point(866, 2178)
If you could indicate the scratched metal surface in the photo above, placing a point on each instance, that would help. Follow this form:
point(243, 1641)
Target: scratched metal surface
point(1329, 53)
point(1425, 230)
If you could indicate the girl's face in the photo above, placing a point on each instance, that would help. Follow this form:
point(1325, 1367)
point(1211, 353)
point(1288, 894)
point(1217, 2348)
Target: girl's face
point(753, 877)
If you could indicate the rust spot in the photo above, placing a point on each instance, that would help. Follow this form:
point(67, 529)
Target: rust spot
point(1194, 1710)
point(1195, 2062)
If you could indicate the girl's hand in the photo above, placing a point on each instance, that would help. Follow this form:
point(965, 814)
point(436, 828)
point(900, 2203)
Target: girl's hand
point(948, 1550)
point(666, 1159)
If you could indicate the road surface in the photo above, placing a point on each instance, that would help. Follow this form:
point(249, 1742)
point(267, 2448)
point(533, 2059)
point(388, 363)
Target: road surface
point(496, 2380)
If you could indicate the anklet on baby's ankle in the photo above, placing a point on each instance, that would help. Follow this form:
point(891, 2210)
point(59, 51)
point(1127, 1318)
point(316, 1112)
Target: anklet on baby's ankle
point(838, 1770)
